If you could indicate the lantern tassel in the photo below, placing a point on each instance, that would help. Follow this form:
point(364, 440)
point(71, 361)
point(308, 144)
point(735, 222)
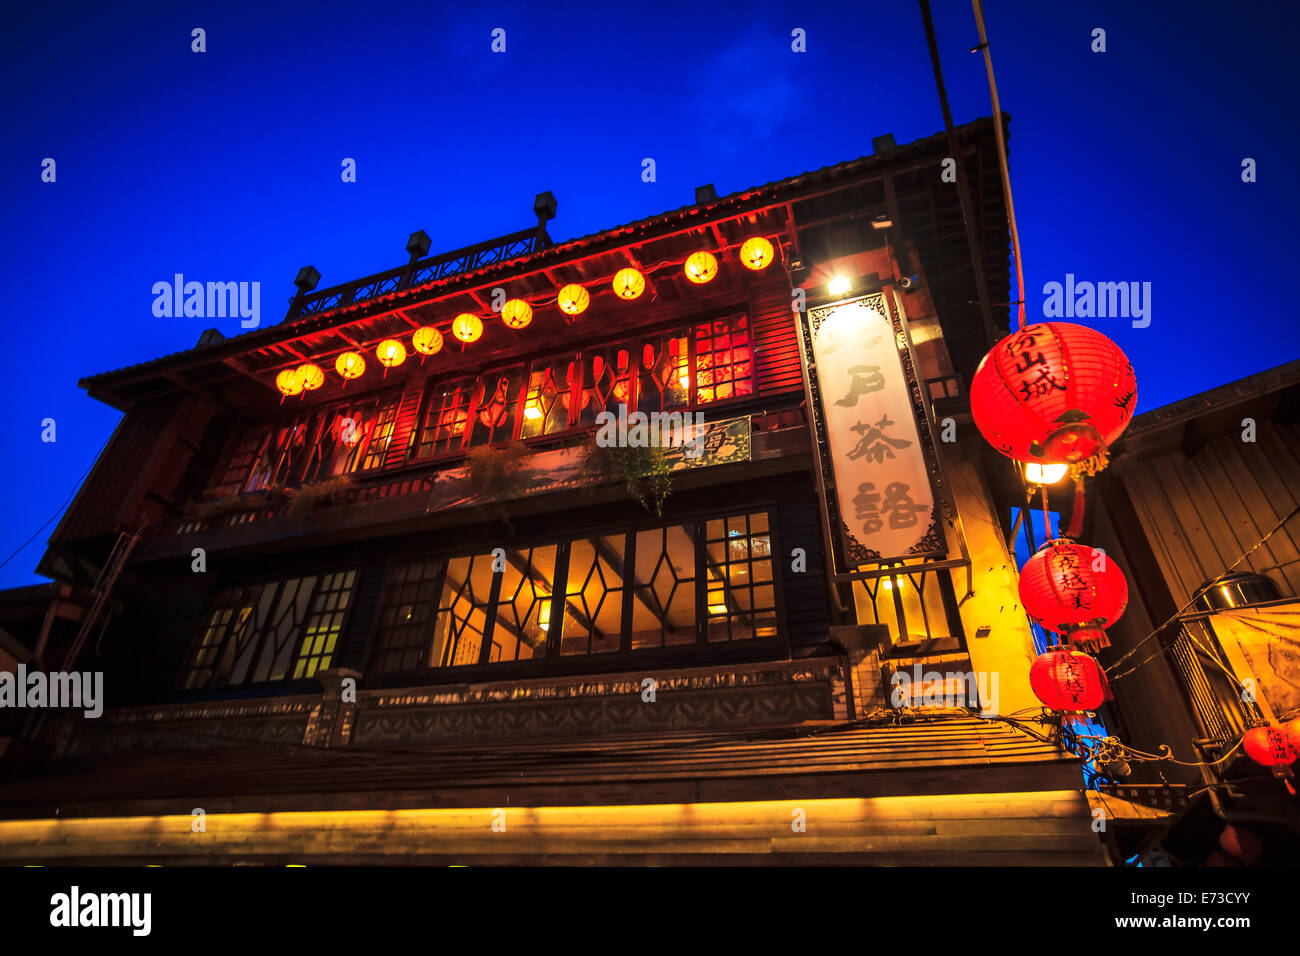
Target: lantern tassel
point(1076, 513)
point(1089, 639)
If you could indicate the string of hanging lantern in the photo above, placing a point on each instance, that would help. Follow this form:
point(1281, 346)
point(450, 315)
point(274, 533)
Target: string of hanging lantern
point(572, 299)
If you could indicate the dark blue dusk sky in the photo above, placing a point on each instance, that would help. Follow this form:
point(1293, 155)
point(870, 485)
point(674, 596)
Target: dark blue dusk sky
point(225, 165)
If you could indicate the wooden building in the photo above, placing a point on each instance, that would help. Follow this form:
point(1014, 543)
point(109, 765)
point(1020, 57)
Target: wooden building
point(422, 614)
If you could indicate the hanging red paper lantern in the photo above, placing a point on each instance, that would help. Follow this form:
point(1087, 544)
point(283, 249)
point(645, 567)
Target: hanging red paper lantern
point(1292, 729)
point(1074, 590)
point(1054, 392)
point(1269, 746)
point(1067, 680)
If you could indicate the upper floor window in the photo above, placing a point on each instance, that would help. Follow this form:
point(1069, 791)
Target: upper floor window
point(317, 444)
point(684, 583)
point(277, 630)
point(709, 362)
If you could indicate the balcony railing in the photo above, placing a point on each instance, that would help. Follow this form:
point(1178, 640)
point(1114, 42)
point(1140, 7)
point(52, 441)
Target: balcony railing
point(482, 254)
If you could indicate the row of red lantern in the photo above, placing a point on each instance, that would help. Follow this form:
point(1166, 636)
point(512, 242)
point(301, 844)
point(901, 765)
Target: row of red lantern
point(573, 299)
point(1055, 393)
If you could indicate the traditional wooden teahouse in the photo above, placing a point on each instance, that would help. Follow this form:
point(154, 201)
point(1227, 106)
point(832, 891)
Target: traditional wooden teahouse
point(676, 542)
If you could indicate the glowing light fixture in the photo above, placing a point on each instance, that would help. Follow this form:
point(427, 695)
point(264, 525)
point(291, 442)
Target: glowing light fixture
point(717, 609)
point(516, 314)
point(544, 613)
point(1038, 474)
point(573, 299)
point(628, 283)
point(757, 253)
point(427, 340)
point(288, 382)
point(311, 376)
point(532, 412)
point(467, 327)
point(391, 353)
point(350, 365)
point(839, 285)
point(701, 267)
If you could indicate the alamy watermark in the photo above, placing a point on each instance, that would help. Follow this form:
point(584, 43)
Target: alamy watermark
point(951, 689)
point(212, 300)
point(60, 689)
point(1098, 300)
point(653, 430)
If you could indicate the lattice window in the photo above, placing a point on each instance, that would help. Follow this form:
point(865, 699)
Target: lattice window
point(663, 607)
point(523, 610)
point(724, 360)
point(264, 632)
point(406, 610)
point(325, 624)
point(463, 610)
point(379, 434)
point(496, 407)
point(664, 373)
point(550, 393)
point(240, 462)
point(593, 608)
point(741, 598)
point(445, 419)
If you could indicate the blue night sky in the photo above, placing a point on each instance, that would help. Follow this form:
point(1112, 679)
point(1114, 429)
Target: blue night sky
point(1126, 166)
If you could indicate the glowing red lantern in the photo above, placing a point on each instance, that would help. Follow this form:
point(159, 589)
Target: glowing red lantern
point(1067, 680)
point(1053, 392)
point(1074, 590)
point(1269, 746)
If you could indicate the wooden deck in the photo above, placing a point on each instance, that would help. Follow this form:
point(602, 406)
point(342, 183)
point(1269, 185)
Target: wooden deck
point(958, 791)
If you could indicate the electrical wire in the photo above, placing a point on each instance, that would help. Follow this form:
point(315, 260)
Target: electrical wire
point(1002, 154)
point(75, 488)
point(1173, 617)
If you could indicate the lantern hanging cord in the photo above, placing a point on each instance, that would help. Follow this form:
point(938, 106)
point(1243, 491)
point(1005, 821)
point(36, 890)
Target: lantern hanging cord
point(977, 6)
point(1173, 617)
point(1111, 745)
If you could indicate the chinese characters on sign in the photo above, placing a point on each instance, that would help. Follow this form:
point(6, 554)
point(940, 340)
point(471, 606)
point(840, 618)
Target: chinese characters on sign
point(884, 494)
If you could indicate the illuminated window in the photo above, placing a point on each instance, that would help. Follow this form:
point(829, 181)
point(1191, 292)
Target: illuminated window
point(313, 446)
point(593, 610)
point(663, 606)
point(270, 632)
point(599, 594)
point(448, 411)
point(463, 611)
point(740, 599)
point(523, 609)
point(724, 360)
point(704, 364)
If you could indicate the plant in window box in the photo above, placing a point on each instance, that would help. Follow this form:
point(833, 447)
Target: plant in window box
point(217, 506)
point(493, 471)
point(306, 498)
point(646, 470)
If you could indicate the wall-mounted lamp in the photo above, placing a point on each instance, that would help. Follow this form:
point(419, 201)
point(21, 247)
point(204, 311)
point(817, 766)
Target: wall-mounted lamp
point(839, 285)
point(882, 222)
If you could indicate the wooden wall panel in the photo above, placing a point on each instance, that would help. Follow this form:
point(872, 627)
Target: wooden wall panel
point(776, 345)
point(1202, 512)
point(807, 610)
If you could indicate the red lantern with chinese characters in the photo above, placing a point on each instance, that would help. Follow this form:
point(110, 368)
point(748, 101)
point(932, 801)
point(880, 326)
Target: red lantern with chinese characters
point(1073, 590)
point(1067, 680)
point(1054, 392)
point(1269, 746)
